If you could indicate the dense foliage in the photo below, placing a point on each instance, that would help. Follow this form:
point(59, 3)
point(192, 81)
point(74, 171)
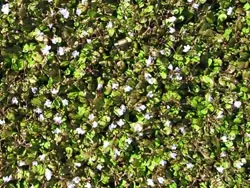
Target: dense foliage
point(129, 93)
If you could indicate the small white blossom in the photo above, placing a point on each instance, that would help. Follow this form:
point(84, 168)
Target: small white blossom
point(148, 116)
point(22, 163)
point(65, 102)
point(105, 144)
point(115, 85)
point(127, 88)
point(88, 185)
point(109, 25)
point(99, 167)
point(70, 184)
point(120, 122)
point(6, 8)
point(78, 12)
point(77, 164)
point(56, 131)
point(173, 147)
point(99, 86)
point(45, 50)
point(34, 90)
point(186, 48)
point(84, 2)
point(89, 41)
point(76, 180)
point(121, 110)
point(171, 30)
point(60, 51)
point(224, 138)
point(112, 126)
point(34, 163)
point(64, 12)
point(57, 119)
point(50, 25)
point(172, 19)
point(41, 117)
point(129, 140)
point(80, 131)
point(48, 174)
point(189, 1)
point(220, 169)
point(190, 165)
point(149, 61)
point(75, 54)
point(6, 179)
point(237, 104)
point(161, 180)
point(167, 123)
point(182, 129)
point(170, 67)
point(38, 110)
point(219, 115)
point(223, 154)
point(163, 162)
point(84, 33)
point(91, 117)
point(48, 103)
point(150, 182)
point(141, 108)
point(173, 155)
point(54, 91)
point(150, 94)
point(14, 100)
point(195, 5)
point(42, 157)
point(117, 153)
point(150, 79)
point(229, 11)
point(54, 40)
point(2, 122)
point(138, 127)
point(94, 124)
point(238, 164)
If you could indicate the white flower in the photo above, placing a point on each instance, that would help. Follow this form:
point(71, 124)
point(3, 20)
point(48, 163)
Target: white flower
point(223, 154)
point(172, 19)
point(21, 163)
point(2, 122)
point(141, 108)
point(238, 164)
point(91, 117)
point(149, 61)
point(219, 115)
point(50, 25)
point(80, 131)
point(78, 12)
point(148, 116)
point(84, 33)
point(127, 88)
point(171, 30)
point(189, 1)
point(109, 25)
point(99, 167)
point(94, 124)
point(84, 2)
point(117, 153)
point(65, 102)
point(45, 50)
point(163, 162)
point(42, 157)
point(150, 79)
point(89, 41)
point(88, 185)
point(54, 40)
point(34, 163)
point(60, 51)
point(160, 180)
point(50, 1)
point(173, 155)
point(48, 103)
point(220, 169)
point(105, 144)
point(129, 140)
point(14, 100)
point(224, 138)
point(56, 131)
point(38, 110)
point(70, 184)
point(190, 165)
point(34, 90)
point(167, 123)
point(120, 122)
point(115, 85)
point(112, 126)
point(150, 94)
point(75, 54)
point(48, 174)
point(186, 48)
point(173, 147)
point(64, 12)
point(6, 179)
point(41, 117)
point(77, 164)
point(237, 104)
point(229, 11)
point(76, 180)
point(5, 8)
point(120, 111)
point(138, 127)
point(99, 86)
point(195, 5)
point(57, 119)
point(150, 182)
point(170, 67)
point(54, 91)
point(182, 129)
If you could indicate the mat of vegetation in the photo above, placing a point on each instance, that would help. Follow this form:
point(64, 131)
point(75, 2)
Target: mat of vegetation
point(129, 93)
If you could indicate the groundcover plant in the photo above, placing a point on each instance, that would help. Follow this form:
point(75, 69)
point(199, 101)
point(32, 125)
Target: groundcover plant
point(129, 93)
